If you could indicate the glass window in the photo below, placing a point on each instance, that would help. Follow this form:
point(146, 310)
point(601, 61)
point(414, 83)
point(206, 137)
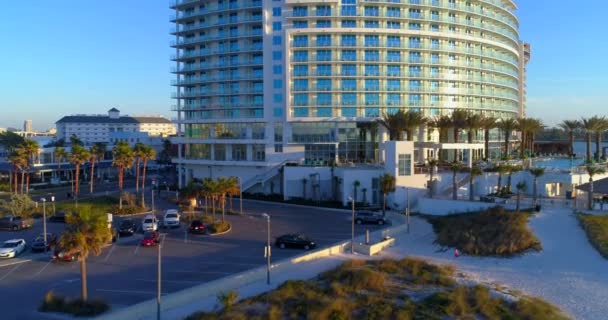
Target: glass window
point(405, 165)
point(349, 70)
point(324, 84)
point(300, 11)
point(277, 84)
point(372, 11)
point(349, 112)
point(349, 24)
point(393, 56)
point(349, 84)
point(372, 70)
point(372, 41)
point(415, 42)
point(324, 70)
point(393, 41)
point(276, 55)
point(324, 99)
point(348, 40)
point(372, 112)
point(277, 69)
point(393, 12)
point(372, 55)
point(372, 99)
point(300, 56)
point(372, 84)
point(300, 24)
point(323, 40)
point(393, 25)
point(323, 11)
point(393, 71)
point(276, 26)
point(371, 24)
point(300, 41)
point(393, 84)
point(277, 98)
point(323, 55)
point(349, 99)
point(393, 99)
point(415, 26)
point(415, 71)
point(300, 70)
point(324, 112)
point(349, 55)
point(415, 57)
point(276, 40)
point(300, 112)
point(300, 99)
point(323, 23)
point(349, 11)
point(300, 85)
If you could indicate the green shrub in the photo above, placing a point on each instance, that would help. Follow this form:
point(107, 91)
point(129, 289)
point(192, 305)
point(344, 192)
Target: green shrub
point(127, 210)
point(537, 309)
point(596, 228)
point(494, 232)
point(218, 227)
point(227, 299)
point(5, 187)
point(76, 307)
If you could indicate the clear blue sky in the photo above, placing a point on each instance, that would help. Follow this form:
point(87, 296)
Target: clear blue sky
point(66, 56)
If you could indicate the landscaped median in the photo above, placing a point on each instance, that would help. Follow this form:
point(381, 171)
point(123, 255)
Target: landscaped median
point(103, 204)
point(214, 226)
point(596, 228)
point(75, 307)
point(493, 232)
point(384, 289)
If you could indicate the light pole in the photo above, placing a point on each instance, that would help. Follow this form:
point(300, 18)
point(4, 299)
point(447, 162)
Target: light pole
point(407, 208)
point(267, 247)
point(44, 221)
point(160, 243)
point(352, 239)
point(241, 193)
point(153, 186)
point(53, 201)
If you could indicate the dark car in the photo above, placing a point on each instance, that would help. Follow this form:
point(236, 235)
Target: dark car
point(15, 223)
point(197, 227)
point(38, 243)
point(59, 216)
point(151, 238)
point(127, 227)
point(362, 217)
point(61, 254)
point(295, 241)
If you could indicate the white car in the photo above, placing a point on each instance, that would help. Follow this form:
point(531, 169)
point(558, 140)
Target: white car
point(171, 218)
point(149, 223)
point(12, 248)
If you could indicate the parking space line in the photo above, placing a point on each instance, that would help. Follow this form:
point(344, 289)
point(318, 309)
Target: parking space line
point(8, 264)
point(201, 272)
point(109, 253)
point(12, 270)
point(136, 249)
point(39, 272)
point(128, 291)
point(169, 281)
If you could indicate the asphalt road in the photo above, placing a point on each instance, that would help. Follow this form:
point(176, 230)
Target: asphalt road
point(125, 273)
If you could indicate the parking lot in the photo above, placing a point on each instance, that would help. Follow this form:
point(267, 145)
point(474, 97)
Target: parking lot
point(125, 273)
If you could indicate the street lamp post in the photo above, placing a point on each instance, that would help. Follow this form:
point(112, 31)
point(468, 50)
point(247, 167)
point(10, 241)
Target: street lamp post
point(158, 288)
point(241, 193)
point(53, 201)
point(407, 208)
point(352, 239)
point(153, 186)
point(267, 247)
point(44, 221)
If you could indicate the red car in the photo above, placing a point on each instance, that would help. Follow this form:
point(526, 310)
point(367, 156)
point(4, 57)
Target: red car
point(151, 238)
point(62, 255)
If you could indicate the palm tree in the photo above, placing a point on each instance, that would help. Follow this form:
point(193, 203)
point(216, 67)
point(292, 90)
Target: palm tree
point(488, 123)
point(589, 125)
point(122, 159)
point(191, 192)
point(474, 122)
point(413, 121)
point(147, 154)
point(473, 173)
point(432, 163)
point(602, 125)
point(443, 125)
point(87, 233)
point(395, 124)
point(137, 151)
point(31, 149)
point(507, 126)
point(98, 150)
point(60, 154)
point(78, 157)
point(521, 187)
point(511, 169)
point(356, 185)
point(536, 125)
point(502, 170)
point(592, 171)
point(75, 141)
point(18, 159)
point(536, 173)
point(524, 126)
point(304, 181)
point(455, 167)
point(459, 121)
point(387, 185)
point(570, 126)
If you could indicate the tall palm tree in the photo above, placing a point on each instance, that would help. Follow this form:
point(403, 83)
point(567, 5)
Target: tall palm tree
point(592, 171)
point(455, 167)
point(536, 173)
point(78, 157)
point(511, 169)
point(137, 151)
point(459, 121)
point(473, 173)
point(18, 158)
point(488, 123)
point(589, 125)
point(474, 122)
point(122, 159)
point(570, 126)
point(31, 149)
point(443, 125)
point(536, 125)
point(502, 170)
point(147, 154)
point(432, 164)
point(413, 121)
point(507, 126)
point(524, 126)
point(60, 154)
point(387, 185)
point(87, 233)
point(191, 191)
point(600, 128)
point(395, 124)
point(521, 187)
point(98, 150)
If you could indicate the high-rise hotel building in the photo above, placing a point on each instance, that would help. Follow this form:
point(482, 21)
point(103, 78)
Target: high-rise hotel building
point(262, 82)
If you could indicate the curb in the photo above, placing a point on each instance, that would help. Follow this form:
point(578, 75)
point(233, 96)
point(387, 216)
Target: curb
point(299, 205)
point(221, 233)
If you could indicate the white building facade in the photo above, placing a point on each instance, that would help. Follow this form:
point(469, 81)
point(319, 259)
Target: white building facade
point(260, 83)
point(99, 128)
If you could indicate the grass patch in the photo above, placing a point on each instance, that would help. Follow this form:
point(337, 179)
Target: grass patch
point(218, 227)
point(596, 228)
point(494, 232)
point(75, 307)
point(385, 289)
point(102, 204)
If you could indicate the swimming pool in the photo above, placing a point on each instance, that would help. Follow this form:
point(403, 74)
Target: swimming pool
point(562, 163)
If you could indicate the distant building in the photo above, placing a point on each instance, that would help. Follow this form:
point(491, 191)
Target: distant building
point(27, 126)
point(2, 130)
point(99, 128)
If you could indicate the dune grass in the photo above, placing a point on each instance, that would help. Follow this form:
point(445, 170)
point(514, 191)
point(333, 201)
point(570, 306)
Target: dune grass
point(385, 289)
point(596, 228)
point(494, 232)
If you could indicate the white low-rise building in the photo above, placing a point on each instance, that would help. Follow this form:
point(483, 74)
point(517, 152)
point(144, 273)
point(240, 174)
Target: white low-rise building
point(98, 128)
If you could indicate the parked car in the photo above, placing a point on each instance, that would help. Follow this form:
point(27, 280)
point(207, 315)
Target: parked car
point(295, 241)
point(12, 248)
point(151, 238)
point(362, 217)
point(171, 219)
point(127, 227)
point(197, 226)
point(61, 254)
point(38, 243)
point(59, 216)
point(15, 223)
point(149, 223)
